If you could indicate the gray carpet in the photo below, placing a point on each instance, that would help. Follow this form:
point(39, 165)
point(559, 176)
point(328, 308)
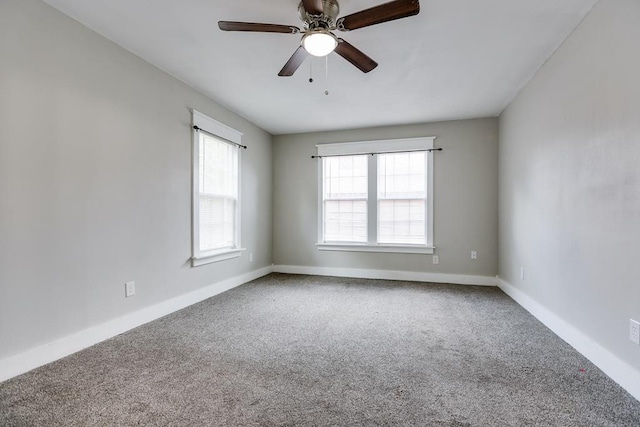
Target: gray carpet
point(305, 350)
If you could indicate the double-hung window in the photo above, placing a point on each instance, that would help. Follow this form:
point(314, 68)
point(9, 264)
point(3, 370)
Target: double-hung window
point(216, 191)
point(345, 199)
point(376, 196)
point(402, 198)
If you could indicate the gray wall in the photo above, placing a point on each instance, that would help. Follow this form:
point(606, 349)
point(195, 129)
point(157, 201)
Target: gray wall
point(465, 217)
point(95, 184)
point(570, 180)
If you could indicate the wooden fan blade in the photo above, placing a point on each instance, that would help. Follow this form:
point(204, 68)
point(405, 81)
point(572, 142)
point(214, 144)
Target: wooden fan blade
point(293, 63)
point(355, 56)
point(313, 7)
point(376, 15)
point(256, 27)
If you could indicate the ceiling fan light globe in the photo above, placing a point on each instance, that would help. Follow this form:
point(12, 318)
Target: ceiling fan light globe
point(319, 43)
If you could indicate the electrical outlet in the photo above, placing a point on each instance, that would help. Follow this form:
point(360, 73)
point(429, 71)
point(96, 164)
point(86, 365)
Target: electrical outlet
point(521, 273)
point(129, 289)
point(474, 255)
point(634, 331)
point(436, 260)
point(250, 257)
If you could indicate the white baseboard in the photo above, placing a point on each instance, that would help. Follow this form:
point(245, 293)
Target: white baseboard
point(618, 370)
point(364, 273)
point(38, 356)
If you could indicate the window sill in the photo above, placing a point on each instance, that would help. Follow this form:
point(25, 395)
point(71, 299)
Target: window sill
point(397, 249)
point(211, 257)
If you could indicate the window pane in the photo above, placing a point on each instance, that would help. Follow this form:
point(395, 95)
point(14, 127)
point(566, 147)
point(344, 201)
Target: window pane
point(345, 177)
point(217, 167)
point(401, 221)
point(402, 175)
point(217, 222)
point(345, 221)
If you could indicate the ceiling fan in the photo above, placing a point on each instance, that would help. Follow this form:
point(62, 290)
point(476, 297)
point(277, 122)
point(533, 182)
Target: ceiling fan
point(320, 19)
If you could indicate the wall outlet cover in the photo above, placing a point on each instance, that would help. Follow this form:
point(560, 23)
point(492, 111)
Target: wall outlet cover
point(436, 259)
point(634, 331)
point(129, 289)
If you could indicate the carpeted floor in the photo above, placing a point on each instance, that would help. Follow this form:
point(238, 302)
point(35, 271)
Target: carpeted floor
point(290, 350)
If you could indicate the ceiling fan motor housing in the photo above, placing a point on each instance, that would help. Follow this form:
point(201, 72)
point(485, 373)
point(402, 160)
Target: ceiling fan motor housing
point(330, 12)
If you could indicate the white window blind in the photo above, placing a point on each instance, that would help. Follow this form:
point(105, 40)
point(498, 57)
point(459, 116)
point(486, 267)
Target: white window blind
point(345, 199)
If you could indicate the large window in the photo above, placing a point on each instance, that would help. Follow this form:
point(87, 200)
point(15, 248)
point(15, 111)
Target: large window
point(376, 196)
point(216, 191)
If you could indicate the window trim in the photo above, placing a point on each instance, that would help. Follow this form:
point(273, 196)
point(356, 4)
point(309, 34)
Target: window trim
point(231, 135)
point(374, 147)
point(362, 247)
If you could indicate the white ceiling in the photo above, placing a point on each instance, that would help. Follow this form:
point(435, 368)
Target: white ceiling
point(457, 59)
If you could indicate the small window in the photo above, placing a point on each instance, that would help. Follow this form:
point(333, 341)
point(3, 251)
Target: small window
point(376, 196)
point(216, 195)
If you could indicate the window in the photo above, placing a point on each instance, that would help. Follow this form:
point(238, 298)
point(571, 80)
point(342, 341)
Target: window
point(376, 196)
point(402, 198)
point(216, 191)
point(345, 199)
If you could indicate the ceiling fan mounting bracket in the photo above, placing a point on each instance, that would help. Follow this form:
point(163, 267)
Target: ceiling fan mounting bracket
point(326, 19)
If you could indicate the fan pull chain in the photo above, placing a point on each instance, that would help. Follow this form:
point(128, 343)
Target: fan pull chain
point(310, 70)
point(326, 70)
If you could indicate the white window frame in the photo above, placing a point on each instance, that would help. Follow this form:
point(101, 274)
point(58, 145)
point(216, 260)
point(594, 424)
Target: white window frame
point(368, 147)
point(231, 135)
